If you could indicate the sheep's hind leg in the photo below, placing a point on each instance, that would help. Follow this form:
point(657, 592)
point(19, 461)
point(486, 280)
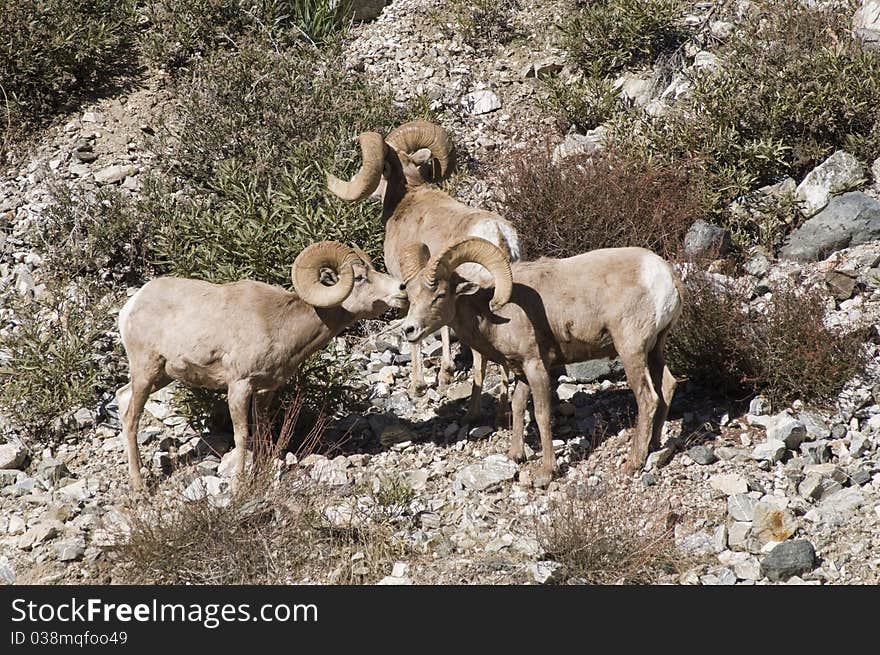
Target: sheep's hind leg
point(638, 377)
point(239, 394)
point(131, 399)
point(665, 383)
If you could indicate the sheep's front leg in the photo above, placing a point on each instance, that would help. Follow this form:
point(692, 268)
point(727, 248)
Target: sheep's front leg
point(417, 384)
point(444, 377)
point(475, 408)
point(539, 381)
point(520, 398)
point(239, 394)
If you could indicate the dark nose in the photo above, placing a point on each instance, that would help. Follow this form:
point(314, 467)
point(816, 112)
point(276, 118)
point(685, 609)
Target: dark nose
point(402, 286)
point(409, 330)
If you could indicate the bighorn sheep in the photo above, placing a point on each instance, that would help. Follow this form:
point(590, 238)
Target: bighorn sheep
point(547, 312)
point(413, 210)
point(244, 336)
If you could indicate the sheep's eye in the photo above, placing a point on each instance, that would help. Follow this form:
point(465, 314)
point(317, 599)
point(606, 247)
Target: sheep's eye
point(359, 277)
point(439, 297)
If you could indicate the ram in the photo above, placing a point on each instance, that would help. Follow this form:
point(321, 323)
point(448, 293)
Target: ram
point(399, 170)
point(613, 301)
point(243, 336)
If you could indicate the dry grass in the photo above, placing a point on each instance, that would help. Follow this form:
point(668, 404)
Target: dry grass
point(274, 529)
point(601, 541)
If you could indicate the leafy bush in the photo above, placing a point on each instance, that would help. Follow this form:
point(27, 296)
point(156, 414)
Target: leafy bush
point(786, 352)
point(569, 207)
point(255, 133)
point(793, 87)
point(53, 356)
point(584, 102)
point(99, 235)
point(53, 50)
point(484, 23)
point(608, 36)
point(187, 29)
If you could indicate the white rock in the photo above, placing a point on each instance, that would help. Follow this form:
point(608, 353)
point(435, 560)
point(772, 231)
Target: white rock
point(205, 486)
point(481, 102)
point(482, 475)
point(545, 571)
point(729, 483)
point(771, 450)
point(841, 171)
point(12, 456)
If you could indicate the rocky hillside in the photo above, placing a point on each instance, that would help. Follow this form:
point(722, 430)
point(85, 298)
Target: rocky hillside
point(768, 482)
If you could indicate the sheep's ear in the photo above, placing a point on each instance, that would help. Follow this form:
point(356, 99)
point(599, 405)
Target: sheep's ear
point(466, 288)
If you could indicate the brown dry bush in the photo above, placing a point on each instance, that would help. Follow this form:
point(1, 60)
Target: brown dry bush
point(566, 208)
point(600, 541)
point(787, 352)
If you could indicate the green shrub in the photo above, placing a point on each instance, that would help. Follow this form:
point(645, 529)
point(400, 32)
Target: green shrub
point(792, 88)
point(96, 235)
point(55, 356)
point(483, 23)
point(185, 29)
point(608, 36)
point(255, 133)
point(787, 352)
point(566, 208)
point(584, 102)
point(52, 51)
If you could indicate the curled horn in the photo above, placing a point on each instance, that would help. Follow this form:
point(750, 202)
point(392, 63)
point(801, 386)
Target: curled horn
point(367, 178)
point(306, 273)
point(479, 251)
point(416, 135)
point(413, 258)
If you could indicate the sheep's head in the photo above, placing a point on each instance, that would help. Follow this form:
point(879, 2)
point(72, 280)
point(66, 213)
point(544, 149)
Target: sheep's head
point(433, 286)
point(412, 154)
point(330, 274)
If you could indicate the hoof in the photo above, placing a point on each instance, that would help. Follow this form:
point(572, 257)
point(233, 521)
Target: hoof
point(543, 477)
point(417, 390)
point(517, 455)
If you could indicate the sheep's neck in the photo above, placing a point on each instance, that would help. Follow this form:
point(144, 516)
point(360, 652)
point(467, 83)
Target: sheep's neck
point(473, 326)
point(307, 329)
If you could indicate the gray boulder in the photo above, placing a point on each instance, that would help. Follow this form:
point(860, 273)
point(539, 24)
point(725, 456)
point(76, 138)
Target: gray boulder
point(850, 219)
point(703, 238)
point(789, 558)
point(594, 369)
point(12, 456)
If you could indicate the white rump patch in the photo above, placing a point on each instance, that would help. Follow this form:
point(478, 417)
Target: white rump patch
point(656, 278)
point(497, 231)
